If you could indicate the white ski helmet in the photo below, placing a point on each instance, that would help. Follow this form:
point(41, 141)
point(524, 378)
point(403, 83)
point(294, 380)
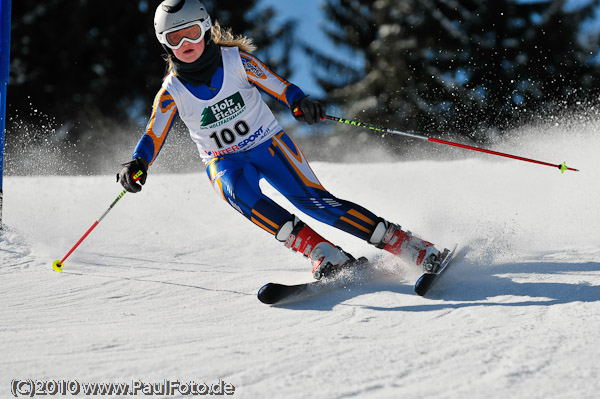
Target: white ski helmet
point(173, 14)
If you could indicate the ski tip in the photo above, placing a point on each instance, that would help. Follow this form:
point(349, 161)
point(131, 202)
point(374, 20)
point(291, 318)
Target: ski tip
point(266, 295)
point(423, 283)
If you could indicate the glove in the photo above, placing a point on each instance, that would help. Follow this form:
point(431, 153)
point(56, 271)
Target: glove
point(309, 111)
point(126, 176)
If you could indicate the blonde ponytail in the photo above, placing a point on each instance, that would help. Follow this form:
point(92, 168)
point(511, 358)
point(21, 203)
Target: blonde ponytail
point(225, 37)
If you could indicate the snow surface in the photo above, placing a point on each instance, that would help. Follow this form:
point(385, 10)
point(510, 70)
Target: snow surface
point(165, 287)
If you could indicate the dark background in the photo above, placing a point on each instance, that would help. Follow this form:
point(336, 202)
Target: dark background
point(84, 73)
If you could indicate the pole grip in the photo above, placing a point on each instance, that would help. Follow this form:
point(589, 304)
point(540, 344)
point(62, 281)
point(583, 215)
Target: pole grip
point(137, 175)
point(297, 112)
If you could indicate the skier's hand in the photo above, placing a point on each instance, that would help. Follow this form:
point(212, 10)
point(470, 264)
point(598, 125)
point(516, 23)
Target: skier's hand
point(309, 111)
point(126, 176)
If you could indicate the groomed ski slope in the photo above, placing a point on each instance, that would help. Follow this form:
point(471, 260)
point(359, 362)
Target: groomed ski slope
point(165, 287)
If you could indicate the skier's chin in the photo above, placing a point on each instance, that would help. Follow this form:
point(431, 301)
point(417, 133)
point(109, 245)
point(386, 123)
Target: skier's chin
point(189, 56)
point(188, 53)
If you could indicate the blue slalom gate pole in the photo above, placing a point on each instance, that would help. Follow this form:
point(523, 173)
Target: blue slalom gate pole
point(4, 67)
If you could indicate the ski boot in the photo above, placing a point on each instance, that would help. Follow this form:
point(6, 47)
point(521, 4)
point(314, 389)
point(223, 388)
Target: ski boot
point(328, 259)
point(325, 257)
point(390, 237)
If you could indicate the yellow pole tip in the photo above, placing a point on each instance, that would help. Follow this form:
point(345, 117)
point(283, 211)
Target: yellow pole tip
point(57, 266)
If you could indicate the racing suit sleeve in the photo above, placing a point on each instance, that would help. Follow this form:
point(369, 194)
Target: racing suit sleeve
point(164, 111)
point(268, 82)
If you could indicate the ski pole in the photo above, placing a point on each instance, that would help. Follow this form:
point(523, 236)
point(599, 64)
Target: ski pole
point(57, 265)
point(562, 167)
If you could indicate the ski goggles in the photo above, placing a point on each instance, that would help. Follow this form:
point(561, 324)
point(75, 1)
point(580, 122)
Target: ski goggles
point(192, 32)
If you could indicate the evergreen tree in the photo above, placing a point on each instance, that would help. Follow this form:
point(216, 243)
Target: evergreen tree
point(460, 65)
point(84, 63)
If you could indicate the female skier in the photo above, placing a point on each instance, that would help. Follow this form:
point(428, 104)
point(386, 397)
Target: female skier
point(213, 85)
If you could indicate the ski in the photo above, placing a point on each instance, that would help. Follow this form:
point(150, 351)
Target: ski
point(427, 280)
point(353, 273)
point(275, 293)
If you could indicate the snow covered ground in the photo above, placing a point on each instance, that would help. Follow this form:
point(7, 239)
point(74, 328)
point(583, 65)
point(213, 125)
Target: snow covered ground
point(165, 287)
